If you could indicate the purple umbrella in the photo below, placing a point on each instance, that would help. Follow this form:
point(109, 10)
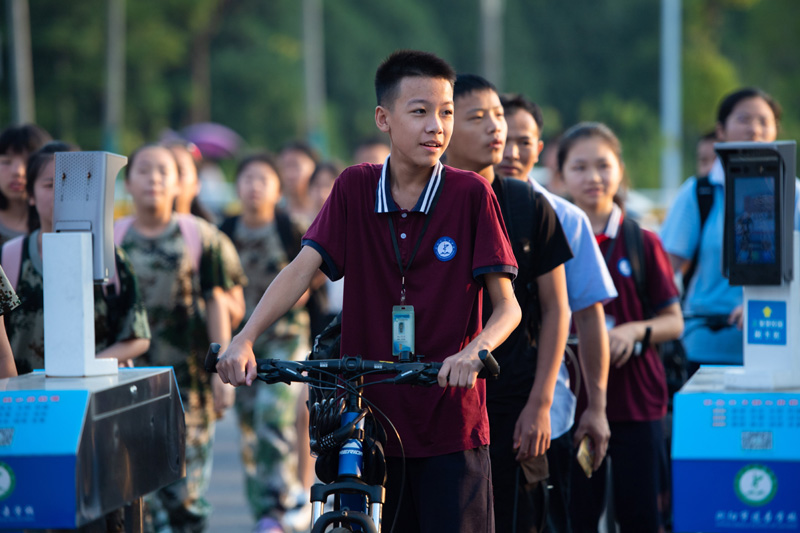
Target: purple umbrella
point(215, 141)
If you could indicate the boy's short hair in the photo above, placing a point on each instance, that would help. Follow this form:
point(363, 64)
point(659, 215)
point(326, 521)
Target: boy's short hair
point(516, 102)
point(300, 146)
point(470, 83)
point(404, 64)
point(260, 157)
point(24, 139)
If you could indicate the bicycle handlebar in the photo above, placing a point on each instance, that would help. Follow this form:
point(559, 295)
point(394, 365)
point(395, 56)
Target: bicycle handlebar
point(413, 373)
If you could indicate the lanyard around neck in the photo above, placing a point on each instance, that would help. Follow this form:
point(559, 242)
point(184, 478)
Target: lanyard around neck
point(404, 269)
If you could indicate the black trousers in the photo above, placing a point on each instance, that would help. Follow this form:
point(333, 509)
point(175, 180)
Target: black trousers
point(516, 502)
point(560, 458)
point(636, 450)
point(442, 494)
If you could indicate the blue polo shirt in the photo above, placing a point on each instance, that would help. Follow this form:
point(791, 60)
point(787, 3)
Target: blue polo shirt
point(464, 240)
point(588, 282)
point(709, 292)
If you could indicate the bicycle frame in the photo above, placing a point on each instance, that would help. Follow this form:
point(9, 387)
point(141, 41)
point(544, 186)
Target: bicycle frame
point(353, 492)
point(360, 504)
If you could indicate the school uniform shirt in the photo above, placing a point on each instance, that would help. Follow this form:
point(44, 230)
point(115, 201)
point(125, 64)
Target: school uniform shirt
point(637, 392)
point(465, 239)
point(517, 355)
point(588, 283)
point(117, 318)
point(709, 292)
point(174, 295)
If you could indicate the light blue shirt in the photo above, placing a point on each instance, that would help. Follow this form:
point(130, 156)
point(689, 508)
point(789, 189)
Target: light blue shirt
point(588, 283)
point(709, 292)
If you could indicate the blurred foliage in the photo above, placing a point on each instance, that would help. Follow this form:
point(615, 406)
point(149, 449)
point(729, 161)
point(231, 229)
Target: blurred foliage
point(240, 63)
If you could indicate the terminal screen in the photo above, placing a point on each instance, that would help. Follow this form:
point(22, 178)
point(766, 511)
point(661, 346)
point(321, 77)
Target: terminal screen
point(754, 220)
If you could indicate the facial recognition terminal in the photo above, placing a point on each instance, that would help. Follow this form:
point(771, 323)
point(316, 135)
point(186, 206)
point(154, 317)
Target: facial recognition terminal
point(735, 458)
point(82, 438)
point(84, 202)
point(760, 254)
point(80, 252)
point(759, 212)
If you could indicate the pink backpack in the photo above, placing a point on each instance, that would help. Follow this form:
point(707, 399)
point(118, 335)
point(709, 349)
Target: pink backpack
point(11, 259)
point(189, 231)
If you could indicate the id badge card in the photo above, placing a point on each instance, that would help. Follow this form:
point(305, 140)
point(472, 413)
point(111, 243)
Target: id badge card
point(402, 329)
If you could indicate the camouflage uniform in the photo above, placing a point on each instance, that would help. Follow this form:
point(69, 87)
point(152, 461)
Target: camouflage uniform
point(116, 317)
point(8, 298)
point(175, 296)
point(267, 413)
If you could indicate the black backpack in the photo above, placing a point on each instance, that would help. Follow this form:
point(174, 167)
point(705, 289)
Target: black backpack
point(518, 207)
point(704, 191)
point(672, 353)
point(290, 237)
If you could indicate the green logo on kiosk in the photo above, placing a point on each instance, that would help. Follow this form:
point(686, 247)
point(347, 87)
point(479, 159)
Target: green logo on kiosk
point(7, 481)
point(756, 484)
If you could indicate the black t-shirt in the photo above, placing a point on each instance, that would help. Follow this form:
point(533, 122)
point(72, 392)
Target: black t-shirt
point(546, 247)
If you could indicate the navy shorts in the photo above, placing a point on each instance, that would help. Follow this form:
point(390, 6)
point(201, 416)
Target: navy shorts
point(442, 494)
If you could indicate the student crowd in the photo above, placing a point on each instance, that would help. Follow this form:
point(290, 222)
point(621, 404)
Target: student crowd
point(572, 296)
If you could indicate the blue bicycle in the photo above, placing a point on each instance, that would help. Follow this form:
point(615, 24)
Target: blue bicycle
point(344, 434)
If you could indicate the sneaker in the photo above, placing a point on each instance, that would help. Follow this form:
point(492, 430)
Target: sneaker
point(268, 525)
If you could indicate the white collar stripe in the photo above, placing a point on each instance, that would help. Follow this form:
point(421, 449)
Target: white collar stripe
point(612, 227)
point(383, 203)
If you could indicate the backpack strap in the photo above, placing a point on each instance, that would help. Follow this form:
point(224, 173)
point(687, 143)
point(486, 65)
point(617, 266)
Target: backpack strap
point(704, 191)
point(634, 243)
point(191, 235)
point(288, 234)
point(518, 208)
point(228, 226)
point(121, 227)
point(11, 259)
point(189, 231)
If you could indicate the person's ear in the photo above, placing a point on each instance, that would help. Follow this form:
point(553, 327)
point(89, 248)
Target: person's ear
point(539, 148)
point(382, 119)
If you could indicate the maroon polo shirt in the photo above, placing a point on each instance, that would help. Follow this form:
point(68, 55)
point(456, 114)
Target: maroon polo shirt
point(637, 391)
point(465, 239)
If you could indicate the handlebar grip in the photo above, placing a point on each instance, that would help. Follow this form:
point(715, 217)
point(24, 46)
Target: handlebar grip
point(491, 368)
point(212, 356)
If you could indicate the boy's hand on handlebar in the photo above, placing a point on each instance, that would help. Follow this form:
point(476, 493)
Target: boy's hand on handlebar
point(237, 365)
point(461, 369)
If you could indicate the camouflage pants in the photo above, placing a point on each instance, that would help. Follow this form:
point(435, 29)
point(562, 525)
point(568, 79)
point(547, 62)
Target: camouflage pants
point(181, 507)
point(269, 438)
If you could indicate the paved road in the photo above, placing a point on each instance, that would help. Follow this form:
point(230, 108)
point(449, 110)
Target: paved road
point(226, 492)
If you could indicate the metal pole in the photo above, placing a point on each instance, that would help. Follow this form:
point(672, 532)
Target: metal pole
point(314, 71)
point(19, 30)
point(671, 107)
point(115, 76)
point(491, 18)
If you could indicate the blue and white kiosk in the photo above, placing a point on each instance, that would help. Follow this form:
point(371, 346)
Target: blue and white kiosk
point(736, 435)
point(83, 438)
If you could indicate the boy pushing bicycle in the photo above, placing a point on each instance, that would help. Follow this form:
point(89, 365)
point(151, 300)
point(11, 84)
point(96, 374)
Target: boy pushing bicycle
point(417, 242)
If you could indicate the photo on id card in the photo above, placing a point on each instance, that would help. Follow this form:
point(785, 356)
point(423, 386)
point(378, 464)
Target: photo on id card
point(402, 329)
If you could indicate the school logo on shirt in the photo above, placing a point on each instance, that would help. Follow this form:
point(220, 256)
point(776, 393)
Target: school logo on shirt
point(624, 267)
point(445, 249)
